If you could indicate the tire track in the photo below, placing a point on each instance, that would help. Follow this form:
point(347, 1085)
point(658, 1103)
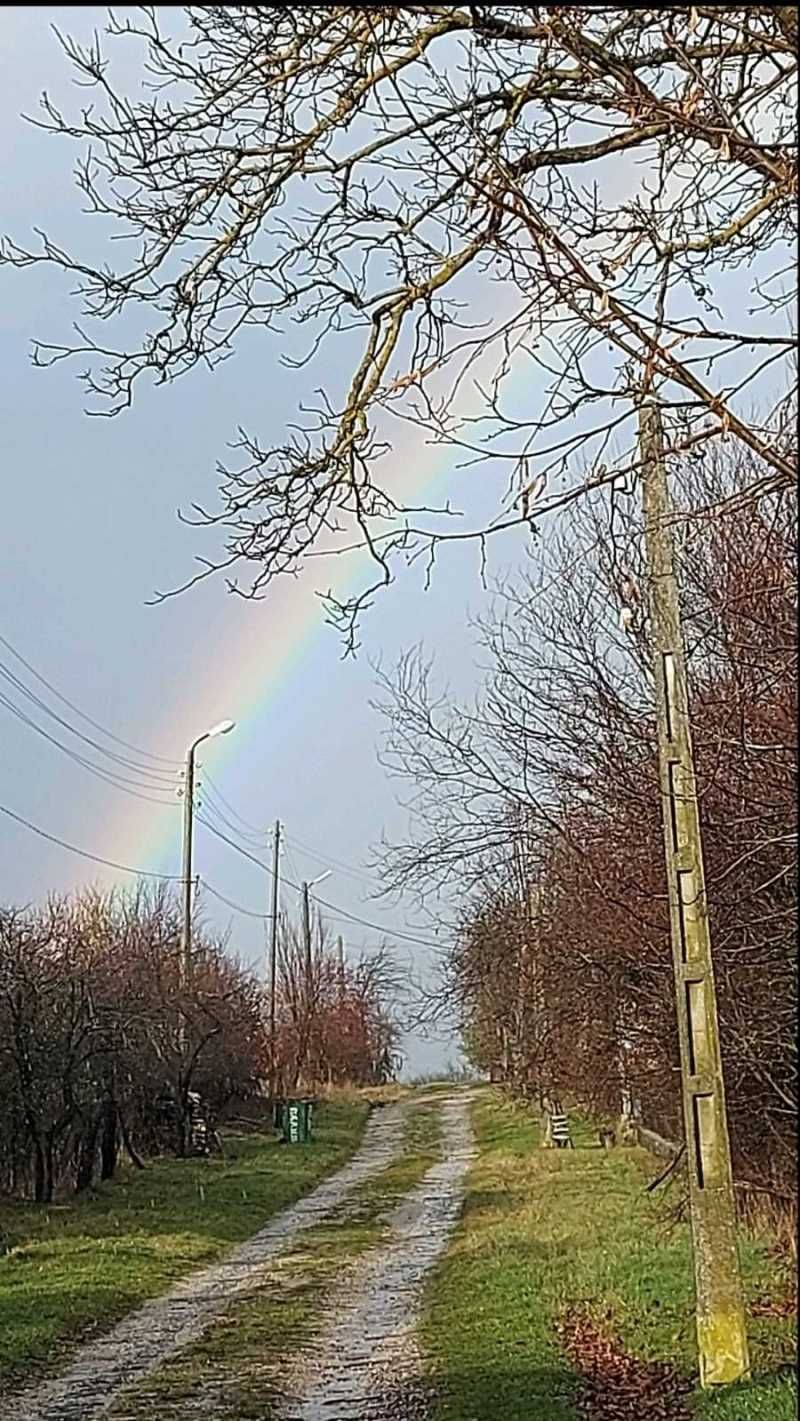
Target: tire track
point(137, 1346)
point(366, 1365)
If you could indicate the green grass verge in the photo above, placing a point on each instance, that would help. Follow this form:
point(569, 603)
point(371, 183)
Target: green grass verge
point(68, 1268)
point(545, 1230)
point(235, 1369)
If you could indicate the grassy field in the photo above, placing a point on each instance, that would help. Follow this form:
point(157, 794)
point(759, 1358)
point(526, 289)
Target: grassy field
point(545, 1232)
point(67, 1268)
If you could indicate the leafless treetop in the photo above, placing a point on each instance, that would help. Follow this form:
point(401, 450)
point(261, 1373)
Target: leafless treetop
point(597, 197)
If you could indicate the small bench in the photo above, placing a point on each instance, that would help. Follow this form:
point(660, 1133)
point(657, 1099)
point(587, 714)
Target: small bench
point(559, 1132)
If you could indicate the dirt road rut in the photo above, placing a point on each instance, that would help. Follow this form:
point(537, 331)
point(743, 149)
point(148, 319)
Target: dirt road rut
point(364, 1364)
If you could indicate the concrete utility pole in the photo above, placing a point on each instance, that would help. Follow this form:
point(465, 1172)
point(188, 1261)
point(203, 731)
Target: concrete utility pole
point(721, 1334)
point(340, 953)
point(185, 962)
point(307, 945)
point(273, 950)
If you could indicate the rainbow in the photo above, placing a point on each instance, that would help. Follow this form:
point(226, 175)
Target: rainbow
point(235, 680)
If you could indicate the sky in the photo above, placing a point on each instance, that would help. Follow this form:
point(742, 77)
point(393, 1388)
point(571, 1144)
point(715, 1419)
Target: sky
point(90, 531)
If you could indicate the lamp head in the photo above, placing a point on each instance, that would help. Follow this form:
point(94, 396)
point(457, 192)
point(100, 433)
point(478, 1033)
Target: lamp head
point(321, 878)
point(221, 728)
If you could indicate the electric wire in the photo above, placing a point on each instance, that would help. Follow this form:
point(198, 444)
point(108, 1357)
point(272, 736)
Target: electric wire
point(338, 913)
point(147, 754)
point(153, 774)
point(237, 907)
point(84, 853)
point(341, 914)
point(360, 875)
point(160, 782)
point(285, 845)
point(251, 829)
point(120, 782)
point(334, 908)
point(209, 804)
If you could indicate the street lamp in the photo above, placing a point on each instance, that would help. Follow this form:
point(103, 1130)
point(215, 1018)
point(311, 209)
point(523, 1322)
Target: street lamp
point(307, 915)
point(307, 933)
point(222, 728)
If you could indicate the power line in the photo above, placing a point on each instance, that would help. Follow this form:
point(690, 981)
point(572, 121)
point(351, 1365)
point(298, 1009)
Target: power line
point(109, 777)
point(254, 835)
point(237, 907)
point(84, 853)
point(290, 859)
point(209, 795)
point(356, 873)
point(257, 837)
point(148, 754)
point(123, 760)
point(251, 829)
point(240, 850)
point(341, 913)
point(336, 912)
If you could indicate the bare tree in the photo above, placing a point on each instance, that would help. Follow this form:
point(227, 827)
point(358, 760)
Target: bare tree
point(338, 1023)
point(100, 1044)
point(438, 197)
point(554, 769)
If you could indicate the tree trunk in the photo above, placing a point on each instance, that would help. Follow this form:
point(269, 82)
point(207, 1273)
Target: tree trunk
point(40, 1173)
point(133, 1155)
point(48, 1180)
point(109, 1144)
point(87, 1155)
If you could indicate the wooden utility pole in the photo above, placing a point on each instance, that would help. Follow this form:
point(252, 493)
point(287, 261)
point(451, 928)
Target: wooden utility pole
point(273, 953)
point(340, 951)
point(721, 1334)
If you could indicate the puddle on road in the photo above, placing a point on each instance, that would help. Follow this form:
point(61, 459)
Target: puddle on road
point(366, 1365)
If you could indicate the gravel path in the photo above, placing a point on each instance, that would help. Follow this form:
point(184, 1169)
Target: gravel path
point(143, 1340)
point(366, 1365)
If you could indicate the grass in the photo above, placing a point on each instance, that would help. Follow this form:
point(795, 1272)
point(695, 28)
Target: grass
point(233, 1369)
point(72, 1267)
point(543, 1231)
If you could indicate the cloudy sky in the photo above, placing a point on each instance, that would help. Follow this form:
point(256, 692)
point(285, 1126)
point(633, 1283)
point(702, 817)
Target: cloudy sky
point(89, 532)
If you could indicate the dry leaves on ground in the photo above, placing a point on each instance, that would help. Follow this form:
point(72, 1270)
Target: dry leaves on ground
point(616, 1386)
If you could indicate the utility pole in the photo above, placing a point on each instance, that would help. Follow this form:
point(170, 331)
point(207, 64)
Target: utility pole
point(721, 1334)
point(307, 992)
point(307, 944)
point(340, 952)
point(309, 960)
point(273, 952)
point(185, 961)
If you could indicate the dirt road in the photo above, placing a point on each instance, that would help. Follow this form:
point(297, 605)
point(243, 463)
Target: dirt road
point(362, 1363)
